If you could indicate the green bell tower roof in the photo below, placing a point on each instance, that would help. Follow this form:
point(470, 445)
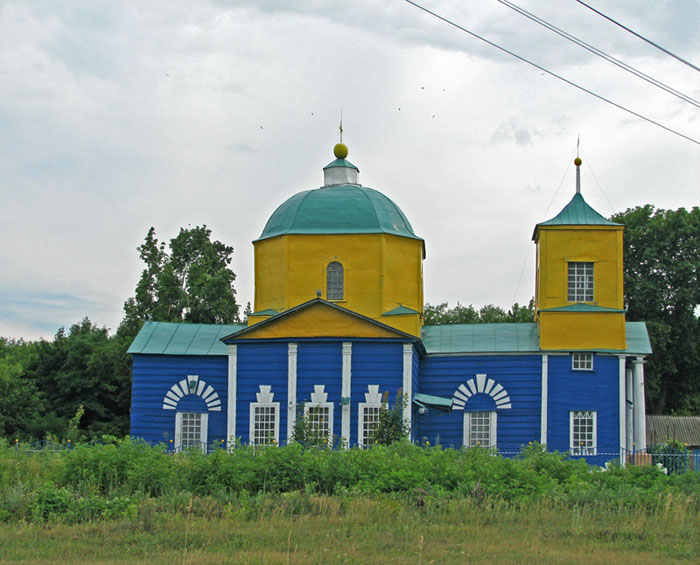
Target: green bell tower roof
point(577, 212)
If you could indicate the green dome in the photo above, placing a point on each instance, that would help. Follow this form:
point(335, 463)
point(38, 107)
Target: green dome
point(338, 209)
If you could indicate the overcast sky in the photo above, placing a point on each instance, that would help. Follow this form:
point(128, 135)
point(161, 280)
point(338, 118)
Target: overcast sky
point(118, 116)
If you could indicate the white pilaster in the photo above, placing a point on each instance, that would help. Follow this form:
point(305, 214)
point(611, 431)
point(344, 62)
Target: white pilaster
point(622, 395)
point(640, 423)
point(408, 383)
point(629, 401)
point(231, 399)
point(291, 390)
point(346, 387)
point(545, 394)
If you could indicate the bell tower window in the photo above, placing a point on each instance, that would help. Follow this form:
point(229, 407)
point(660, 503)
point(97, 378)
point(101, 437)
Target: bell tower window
point(580, 282)
point(334, 281)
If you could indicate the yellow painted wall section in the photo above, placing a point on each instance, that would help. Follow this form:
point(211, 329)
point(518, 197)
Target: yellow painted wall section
point(582, 330)
point(410, 324)
point(381, 271)
point(403, 279)
point(320, 320)
point(557, 246)
point(270, 271)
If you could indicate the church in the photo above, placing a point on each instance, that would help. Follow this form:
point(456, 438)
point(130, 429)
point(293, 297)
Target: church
point(337, 332)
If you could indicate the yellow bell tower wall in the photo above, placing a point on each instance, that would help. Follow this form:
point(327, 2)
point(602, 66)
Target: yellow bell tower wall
point(584, 331)
point(557, 246)
point(380, 272)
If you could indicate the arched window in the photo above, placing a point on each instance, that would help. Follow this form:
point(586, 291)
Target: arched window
point(334, 281)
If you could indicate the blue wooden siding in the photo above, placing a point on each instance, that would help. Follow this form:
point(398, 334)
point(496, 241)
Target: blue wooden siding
point(260, 364)
point(584, 390)
point(415, 380)
point(520, 375)
point(321, 363)
point(374, 364)
point(153, 375)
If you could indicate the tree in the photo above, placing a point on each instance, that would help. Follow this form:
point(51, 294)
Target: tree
point(83, 366)
point(442, 314)
point(191, 282)
point(21, 404)
point(662, 287)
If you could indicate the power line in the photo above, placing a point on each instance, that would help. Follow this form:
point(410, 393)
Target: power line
point(541, 68)
point(600, 53)
point(649, 41)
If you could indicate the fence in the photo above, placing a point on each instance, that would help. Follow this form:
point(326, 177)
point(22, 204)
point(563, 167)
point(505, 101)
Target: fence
point(672, 459)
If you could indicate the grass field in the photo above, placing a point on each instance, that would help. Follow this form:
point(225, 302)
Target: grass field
point(132, 503)
point(300, 529)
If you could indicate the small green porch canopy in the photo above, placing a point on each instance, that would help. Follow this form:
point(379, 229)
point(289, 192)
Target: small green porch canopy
point(434, 402)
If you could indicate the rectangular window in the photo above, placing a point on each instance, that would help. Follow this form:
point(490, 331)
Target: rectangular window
point(582, 361)
point(580, 282)
point(264, 423)
point(191, 430)
point(480, 429)
point(320, 420)
point(368, 420)
point(583, 432)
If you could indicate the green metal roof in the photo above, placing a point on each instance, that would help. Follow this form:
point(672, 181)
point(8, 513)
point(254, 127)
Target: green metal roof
point(638, 338)
point(511, 338)
point(167, 338)
point(581, 307)
point(576, 213)
point(341, 163)
point(481, 338)
point(338, 209)
point(399, 310)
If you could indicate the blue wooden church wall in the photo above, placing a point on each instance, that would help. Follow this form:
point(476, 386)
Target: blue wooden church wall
point(260, 364)
point(381, 363)
point(374, 364)
point(596, 390)
point(519, 375)
point(152, 378)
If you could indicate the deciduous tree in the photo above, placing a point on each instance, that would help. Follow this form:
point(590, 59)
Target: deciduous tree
point(190, 281)
point(662, 287)
point(442, 314)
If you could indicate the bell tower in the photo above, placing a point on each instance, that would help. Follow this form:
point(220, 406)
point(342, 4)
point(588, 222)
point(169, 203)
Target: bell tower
point(579, 300)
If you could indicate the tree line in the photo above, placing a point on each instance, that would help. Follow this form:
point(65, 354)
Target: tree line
point(85, 372)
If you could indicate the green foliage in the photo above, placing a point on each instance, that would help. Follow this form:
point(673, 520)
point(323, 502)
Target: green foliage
point(391, 427)
point(304, 432)
point(83, 366)
point(95, 482)
point(21, 403)
point(662, 287)
point(442, 314)
point(191, 282)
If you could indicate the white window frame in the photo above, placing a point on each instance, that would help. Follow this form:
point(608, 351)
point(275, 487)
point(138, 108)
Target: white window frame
point(309, 407)
point(590, 443)
point(319, 399)
point(203, 430)
point(493, 429)
point(336, 283)
point(581, 361)
point(373, 401)
point(580, 281)
point(264, 400)
point(362, 437)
